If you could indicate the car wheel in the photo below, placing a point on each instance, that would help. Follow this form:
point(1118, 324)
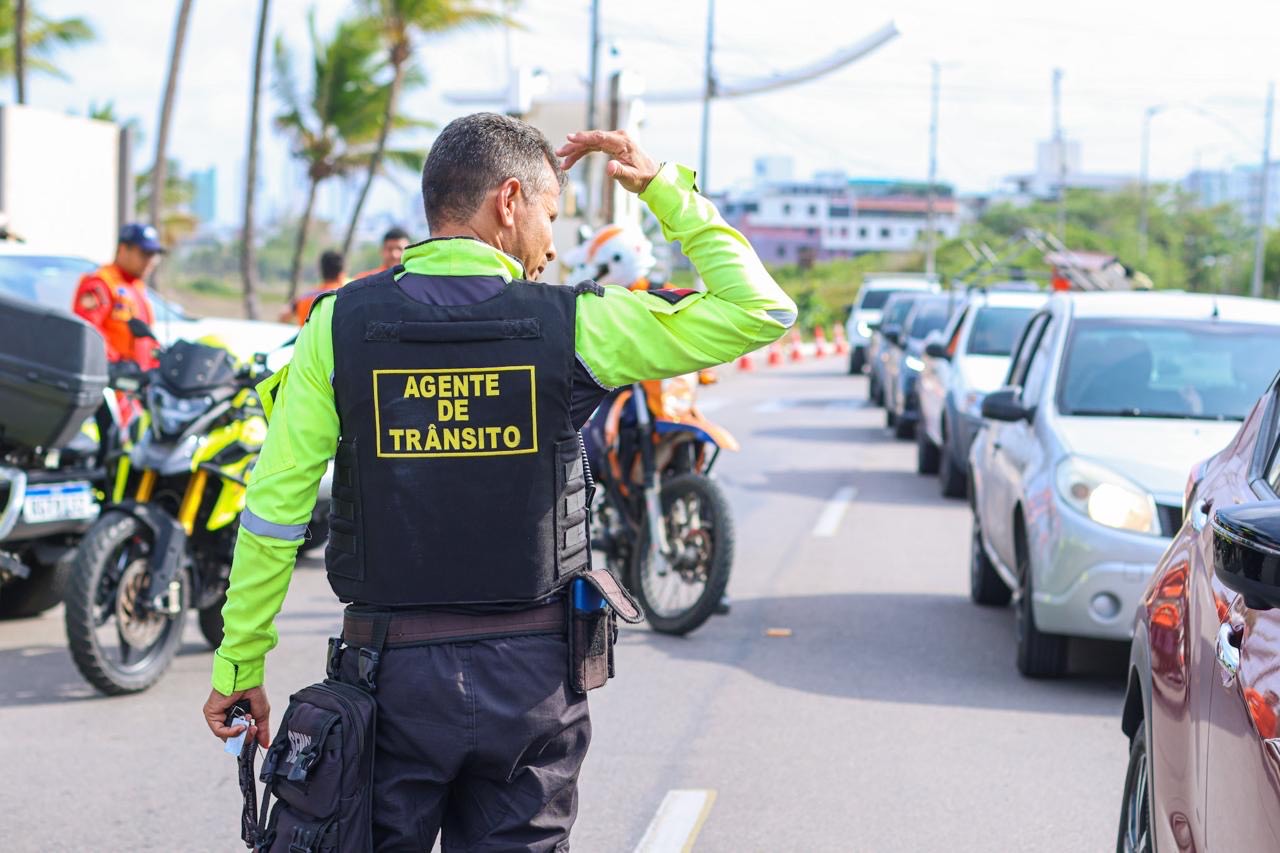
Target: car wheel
point(926, 452)
point(1040, 655)
point(890, 420)
point(952, 478)
point(856, 361)
point(903, 428)
point(986, 587)
point(1135, 808)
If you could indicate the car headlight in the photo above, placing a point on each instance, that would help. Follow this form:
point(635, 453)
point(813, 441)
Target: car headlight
point(913, 363)
point(1106, 497)
point(864, 329)
point(677, 395)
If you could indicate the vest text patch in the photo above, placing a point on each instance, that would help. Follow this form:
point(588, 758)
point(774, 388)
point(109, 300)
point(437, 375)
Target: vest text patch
point(452, 412)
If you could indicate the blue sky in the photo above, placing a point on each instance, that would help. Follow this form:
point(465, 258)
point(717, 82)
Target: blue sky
point(1119, 56)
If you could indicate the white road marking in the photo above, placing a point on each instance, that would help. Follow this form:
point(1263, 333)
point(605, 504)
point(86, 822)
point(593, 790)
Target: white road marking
point(679, 820)
point(832, 514)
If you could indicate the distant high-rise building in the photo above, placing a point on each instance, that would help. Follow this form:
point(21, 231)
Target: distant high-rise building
point(773, 170)
point(1240, 187)
point(204, 202)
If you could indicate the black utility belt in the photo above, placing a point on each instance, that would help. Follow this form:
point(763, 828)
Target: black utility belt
point(423, 627)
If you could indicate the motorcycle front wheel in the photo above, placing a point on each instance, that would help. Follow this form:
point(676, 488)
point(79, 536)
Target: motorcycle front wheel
point(679, 596)
point(118, 642)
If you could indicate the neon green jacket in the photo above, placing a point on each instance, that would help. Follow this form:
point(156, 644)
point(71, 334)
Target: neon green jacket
point(623, 338)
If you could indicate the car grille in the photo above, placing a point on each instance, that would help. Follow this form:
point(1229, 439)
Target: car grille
point(1170, 518)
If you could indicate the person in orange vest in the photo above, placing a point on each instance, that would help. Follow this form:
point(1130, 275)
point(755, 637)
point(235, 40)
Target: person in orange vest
point(394, 242)
point(332, 276)
point(114, 299)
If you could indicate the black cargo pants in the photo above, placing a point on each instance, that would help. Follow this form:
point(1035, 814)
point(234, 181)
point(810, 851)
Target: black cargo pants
point(481, 739)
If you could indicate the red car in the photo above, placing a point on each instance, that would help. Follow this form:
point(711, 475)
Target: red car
point(1204, 669)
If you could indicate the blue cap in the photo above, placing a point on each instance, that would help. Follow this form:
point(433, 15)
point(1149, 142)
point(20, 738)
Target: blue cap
point(145, 237)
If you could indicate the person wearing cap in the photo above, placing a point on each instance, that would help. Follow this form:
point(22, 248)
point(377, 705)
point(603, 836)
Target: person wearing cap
point(114, 298)
point(394, 242)
point(332, 276)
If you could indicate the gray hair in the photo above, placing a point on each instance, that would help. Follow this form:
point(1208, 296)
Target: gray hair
point(476, 153)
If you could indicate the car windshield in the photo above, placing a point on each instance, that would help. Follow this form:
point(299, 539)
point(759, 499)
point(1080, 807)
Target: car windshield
point(897, 311)
point(996, 330)
point(875, 299)
point(47, 280)
point(928, 317)
point(1200, 369)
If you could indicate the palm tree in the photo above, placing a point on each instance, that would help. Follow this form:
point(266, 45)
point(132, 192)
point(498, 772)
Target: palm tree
point(160, 165)
point(175, 220)
point(248, 269)
point(28, 40)
point(400, 22)
point(333, 130)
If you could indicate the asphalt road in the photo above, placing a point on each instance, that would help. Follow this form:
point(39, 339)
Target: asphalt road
point(890, 719)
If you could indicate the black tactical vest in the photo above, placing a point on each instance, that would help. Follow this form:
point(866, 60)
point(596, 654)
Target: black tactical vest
point(458, 478)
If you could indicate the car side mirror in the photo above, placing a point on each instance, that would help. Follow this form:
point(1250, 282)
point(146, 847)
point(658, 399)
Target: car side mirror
point(1004, 405)
point(937, 349)
point(1246, 552)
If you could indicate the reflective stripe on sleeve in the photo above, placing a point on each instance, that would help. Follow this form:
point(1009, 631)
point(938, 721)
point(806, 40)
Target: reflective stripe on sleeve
point(259, 526)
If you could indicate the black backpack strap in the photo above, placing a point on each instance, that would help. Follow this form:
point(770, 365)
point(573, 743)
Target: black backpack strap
point(588, 286)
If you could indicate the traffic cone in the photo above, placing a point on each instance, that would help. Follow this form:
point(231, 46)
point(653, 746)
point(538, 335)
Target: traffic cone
point(820, 338)
point(797, 354)
point(745, 362)
point(775, 354)
point(842, 343)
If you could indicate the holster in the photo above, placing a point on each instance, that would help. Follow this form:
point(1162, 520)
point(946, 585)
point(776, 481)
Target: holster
point(593, 633)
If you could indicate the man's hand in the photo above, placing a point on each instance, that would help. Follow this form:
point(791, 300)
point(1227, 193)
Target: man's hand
point(215, 714)
point(628, 165)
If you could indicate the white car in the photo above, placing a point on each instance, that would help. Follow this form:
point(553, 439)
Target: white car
point(1079, 471)
point(51, 280)
point(864, 316)
point(961, 365)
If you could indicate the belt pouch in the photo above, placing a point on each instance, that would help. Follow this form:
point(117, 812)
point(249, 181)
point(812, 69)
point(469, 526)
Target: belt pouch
point(592, 631)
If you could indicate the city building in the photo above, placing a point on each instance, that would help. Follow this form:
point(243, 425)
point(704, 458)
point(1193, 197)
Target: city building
point(1240, 187)
point(832, 215)
point(1042, 183)
point(204, 200)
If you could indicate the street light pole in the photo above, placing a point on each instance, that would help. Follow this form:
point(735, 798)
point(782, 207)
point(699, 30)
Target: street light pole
point(1259, 249)
point(931, 234)
point(1143, 179)
point(1061, 147)
point(708, 92)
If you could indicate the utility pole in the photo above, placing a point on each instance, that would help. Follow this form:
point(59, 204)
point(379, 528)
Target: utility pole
point(592, 88)
point(1061, 149)
point(708, 92)
point(1259, 250)
point(931, 232)
point(1144, 179)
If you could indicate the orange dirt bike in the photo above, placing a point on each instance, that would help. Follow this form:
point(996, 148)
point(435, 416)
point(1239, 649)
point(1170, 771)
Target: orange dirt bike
point(662, 522)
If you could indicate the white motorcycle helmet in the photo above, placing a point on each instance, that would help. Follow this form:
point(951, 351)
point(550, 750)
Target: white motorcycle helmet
point(616, 254)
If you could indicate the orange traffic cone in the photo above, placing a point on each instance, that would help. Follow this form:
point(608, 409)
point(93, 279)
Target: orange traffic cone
point(797, 354)
point(745, 362)
point(775, 355)
point(842, 343)
point(820, 338)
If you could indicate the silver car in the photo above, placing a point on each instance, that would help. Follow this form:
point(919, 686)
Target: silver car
point(1079, 469)
point(963, 364)
point(865, 314)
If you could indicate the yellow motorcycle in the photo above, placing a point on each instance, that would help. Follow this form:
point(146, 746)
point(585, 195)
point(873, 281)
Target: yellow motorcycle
point(164, 541)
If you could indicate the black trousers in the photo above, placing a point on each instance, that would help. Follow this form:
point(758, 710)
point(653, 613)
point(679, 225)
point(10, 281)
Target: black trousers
point(482, 740)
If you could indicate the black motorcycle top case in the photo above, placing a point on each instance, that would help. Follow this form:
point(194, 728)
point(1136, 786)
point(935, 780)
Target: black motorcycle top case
point(53, 370)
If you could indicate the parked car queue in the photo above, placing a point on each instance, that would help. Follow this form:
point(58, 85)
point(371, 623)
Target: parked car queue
point(1124, 481)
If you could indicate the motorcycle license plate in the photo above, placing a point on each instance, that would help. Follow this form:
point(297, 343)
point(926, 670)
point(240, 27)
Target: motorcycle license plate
point(59, 502)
